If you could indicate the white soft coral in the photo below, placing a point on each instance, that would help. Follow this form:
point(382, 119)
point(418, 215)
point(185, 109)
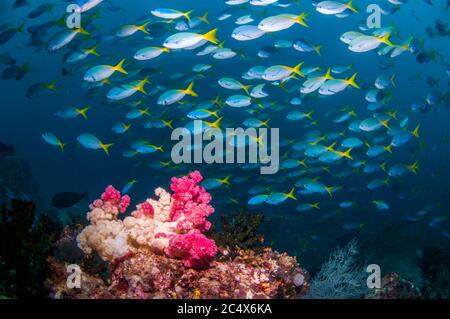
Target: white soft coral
point(112, 238)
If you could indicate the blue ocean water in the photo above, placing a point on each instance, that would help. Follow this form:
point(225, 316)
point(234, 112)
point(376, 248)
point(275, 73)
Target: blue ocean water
point(418, 203)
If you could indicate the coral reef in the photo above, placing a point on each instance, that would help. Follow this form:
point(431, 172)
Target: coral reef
point(395, 287)
point(171, 225)
point(23, 251)
point(145, 275)
point(161, 251)
point(239, 230)
point(340, 277)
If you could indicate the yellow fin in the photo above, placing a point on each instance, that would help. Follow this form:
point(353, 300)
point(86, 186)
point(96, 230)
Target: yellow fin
point(189, 90)
point(105, 147)
point(119, 67)
point(211, 36)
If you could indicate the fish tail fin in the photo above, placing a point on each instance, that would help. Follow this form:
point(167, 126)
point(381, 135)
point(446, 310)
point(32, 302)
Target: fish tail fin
point(204, 18)
point(214, 113)
point(226, 180)
point(189, 90)
point(211, 36)
point(265, 123)
point(385, 39)
point(217, 101)
point(83, 112)
point(145, 111)
point(83, 31)
point(393, 114)
point(187, 15)
point(301, 18)
point(246, 88)
point(416, 131)
point(160, 148)
point(315, 205)
point(127, 126)
point(352, 81)
point(168, 123)
point(393, 79)
point(309, 115)
point(386, 181)
point(388, 148)
point(291, 194)
point(330, 190)
point(52, 86)
point(328, 75)
point(105, 147)
point(317, 49)
point(93, 50)
point(351, 7)
point(331, 147)
point(142, 83)
point(347, 154)
point(296, 69)
point(215, 124)
point(383, 166)
point(413, 167)
point(386, 122)
point(119, 67)
point(62, 145)
point(143, 26)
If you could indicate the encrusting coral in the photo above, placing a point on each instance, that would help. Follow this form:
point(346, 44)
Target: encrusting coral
point(160, 251)
point(171, 225)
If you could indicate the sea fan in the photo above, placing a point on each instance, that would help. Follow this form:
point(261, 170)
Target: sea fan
point(340, 277)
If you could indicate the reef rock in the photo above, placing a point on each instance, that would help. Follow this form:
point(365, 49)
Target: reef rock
point(146, 275)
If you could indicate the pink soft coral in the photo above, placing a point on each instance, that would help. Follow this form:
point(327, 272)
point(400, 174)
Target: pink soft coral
point(190, 201)
point(111, 201)
point(173, 224)
point(190, 207)
point(194, 249)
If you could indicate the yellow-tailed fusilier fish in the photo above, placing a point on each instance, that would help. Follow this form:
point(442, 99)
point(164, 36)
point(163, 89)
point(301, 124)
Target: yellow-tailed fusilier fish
point(173, 96)
point(120, 128)
point(367, 43)
point(183, 40)
point(148, 53)
point(64, 37)
point(232, 84)
point(247, 33)
point(73, 112)
point(130, 29)
point(101, 72)
point(171, 14)
point(278, 72)
point(127, 90)
point(337, 85)
point(282, 22)
point(334, 7)
point(92, 142)
point(79, 55)
point(52, 139)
